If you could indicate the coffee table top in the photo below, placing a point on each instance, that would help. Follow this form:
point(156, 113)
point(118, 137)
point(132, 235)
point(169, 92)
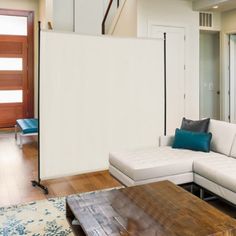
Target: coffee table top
point(162, 209)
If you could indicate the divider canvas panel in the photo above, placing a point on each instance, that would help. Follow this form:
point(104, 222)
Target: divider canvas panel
point(98, 94)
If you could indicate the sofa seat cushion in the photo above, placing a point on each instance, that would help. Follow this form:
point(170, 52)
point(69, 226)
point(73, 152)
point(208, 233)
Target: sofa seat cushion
point(155, 162)
point(220, 170)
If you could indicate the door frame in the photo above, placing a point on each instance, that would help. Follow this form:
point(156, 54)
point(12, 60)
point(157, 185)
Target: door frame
point(219, 89)
point(232, 74)
point(30, 39)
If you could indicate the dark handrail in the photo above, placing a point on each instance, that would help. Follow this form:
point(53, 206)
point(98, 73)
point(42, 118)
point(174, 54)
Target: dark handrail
point(105, 17)
point(106, 14)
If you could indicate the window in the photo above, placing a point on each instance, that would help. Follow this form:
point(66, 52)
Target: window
point(12, 64)
point(13, 25)
point(11, 96)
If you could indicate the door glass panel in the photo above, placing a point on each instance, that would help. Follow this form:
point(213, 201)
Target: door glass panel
point(11, 64)
point(13, 25)
point(11, 96)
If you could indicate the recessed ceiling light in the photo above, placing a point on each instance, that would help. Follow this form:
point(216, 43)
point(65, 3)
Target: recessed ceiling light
point(215, 7)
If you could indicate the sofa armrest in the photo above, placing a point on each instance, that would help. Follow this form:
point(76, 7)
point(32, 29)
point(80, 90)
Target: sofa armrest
point(166, 140)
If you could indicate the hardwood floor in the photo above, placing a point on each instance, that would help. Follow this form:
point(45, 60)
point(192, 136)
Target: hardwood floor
point(19, 166)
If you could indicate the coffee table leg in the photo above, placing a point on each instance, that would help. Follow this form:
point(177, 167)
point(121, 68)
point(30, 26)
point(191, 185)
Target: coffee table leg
point(70, 217)
point(202, 193)
point(69, 213)
point(191, 188)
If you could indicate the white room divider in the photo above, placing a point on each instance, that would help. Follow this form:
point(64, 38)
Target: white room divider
point(98, 94)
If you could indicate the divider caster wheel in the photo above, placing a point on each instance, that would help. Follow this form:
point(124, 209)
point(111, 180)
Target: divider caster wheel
point(37, 184)
point(46, 191)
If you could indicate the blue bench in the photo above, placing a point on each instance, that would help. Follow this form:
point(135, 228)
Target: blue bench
point(26, 127)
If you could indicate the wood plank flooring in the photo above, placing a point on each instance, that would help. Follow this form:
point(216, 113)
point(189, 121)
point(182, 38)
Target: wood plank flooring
point(19, 166)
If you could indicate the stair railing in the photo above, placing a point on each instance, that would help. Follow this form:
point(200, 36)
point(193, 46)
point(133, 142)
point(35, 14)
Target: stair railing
point(107, 13)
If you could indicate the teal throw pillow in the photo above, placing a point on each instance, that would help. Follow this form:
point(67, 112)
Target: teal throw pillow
point(196, 141)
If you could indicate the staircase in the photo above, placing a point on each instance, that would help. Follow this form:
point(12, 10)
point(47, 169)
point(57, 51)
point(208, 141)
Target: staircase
point(113, 9)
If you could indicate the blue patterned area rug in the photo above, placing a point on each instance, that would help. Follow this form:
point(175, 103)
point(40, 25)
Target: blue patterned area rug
point(39, 218)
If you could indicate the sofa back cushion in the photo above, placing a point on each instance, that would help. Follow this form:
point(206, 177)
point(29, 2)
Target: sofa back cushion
point(223, 134)
point(233, 149)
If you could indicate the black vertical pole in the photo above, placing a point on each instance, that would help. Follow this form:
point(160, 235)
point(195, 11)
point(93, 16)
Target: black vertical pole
point(39, 51)
point(37, 183)
point(165, 97)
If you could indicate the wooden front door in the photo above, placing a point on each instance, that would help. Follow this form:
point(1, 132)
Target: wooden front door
point(16, 72)
point(13, 79)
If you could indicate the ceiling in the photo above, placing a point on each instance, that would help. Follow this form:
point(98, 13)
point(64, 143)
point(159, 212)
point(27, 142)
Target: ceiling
point(207, 5)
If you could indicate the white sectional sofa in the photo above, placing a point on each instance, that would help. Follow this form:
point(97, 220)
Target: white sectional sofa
point(214, 171)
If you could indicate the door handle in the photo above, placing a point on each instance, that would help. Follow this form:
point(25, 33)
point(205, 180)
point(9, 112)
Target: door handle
point(218, 92)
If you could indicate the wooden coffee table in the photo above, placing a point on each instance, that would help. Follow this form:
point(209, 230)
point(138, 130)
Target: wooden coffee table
point(162, 209)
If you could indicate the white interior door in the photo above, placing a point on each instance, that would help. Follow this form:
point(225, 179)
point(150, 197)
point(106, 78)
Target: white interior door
point(209, 75)
point(175, 42)
point(232, 78)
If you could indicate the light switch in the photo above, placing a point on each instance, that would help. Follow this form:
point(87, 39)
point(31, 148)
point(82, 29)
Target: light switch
point(211, 86)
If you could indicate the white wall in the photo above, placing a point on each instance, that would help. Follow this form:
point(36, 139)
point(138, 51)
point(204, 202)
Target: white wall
point(30, 5)
point(89, 16)
point(177, 13)
point(45, 12)
point(228, 26)
point(228, 21)
point(63, 15)
point(100, 94)
point(125, 22)
point(42, 13)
